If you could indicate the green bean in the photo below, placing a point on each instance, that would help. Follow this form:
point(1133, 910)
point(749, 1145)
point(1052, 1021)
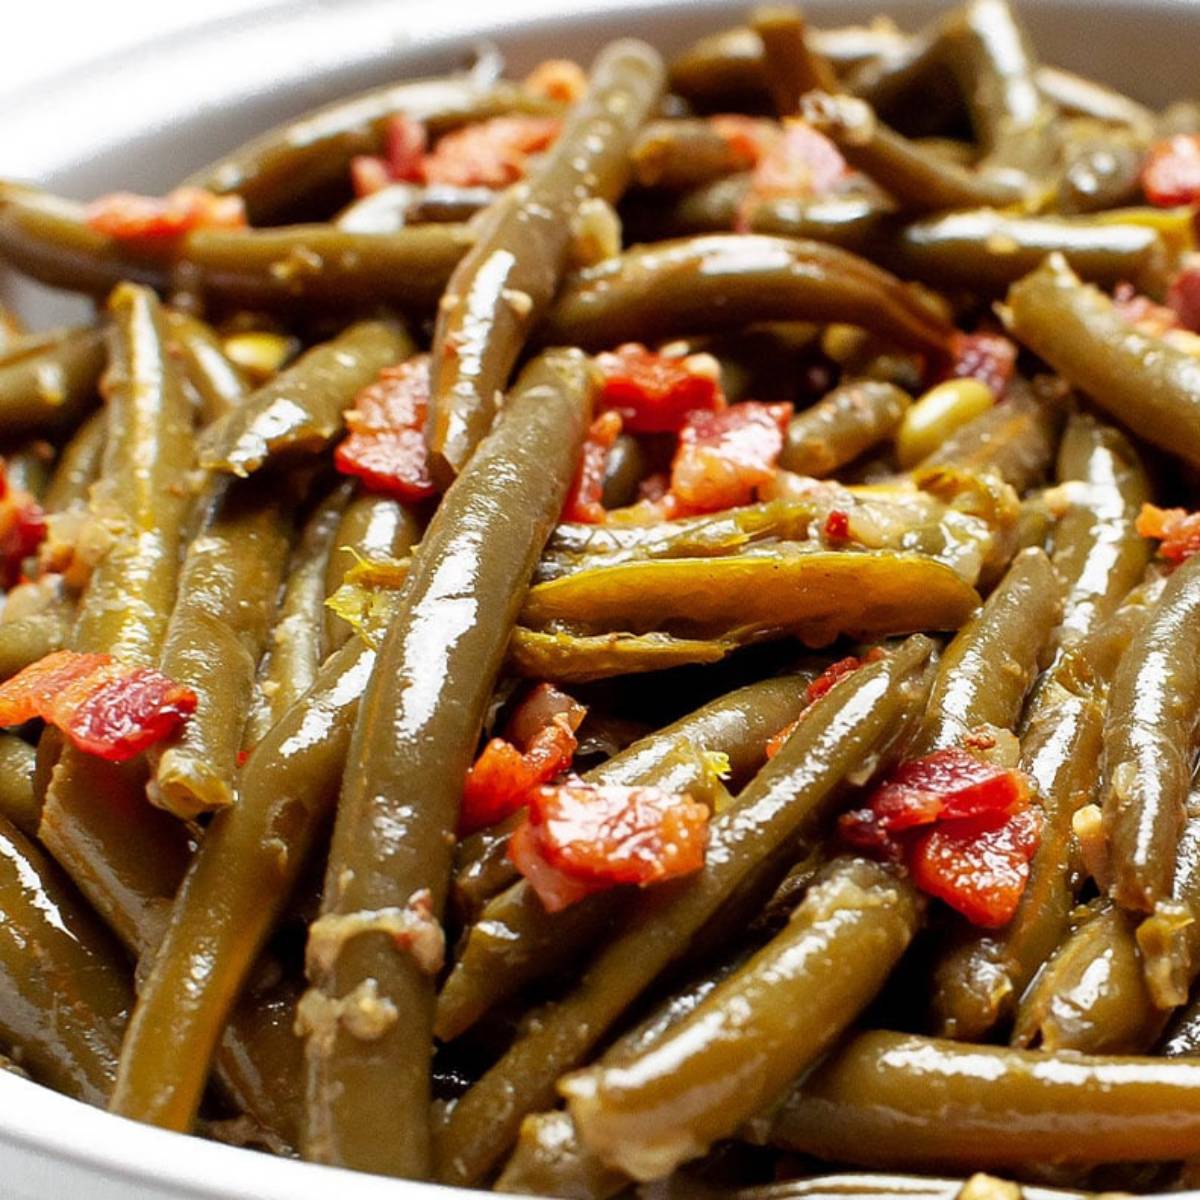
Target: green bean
point(51, 392)
point(1182, 1036)
point(23, 640)
point(723, 72)
point(916, 179)
point(1148, 745)
point(313, 153)
point(714, 207)
point(1011, 1107)
point(230, 576)
point(813, 594)
point(1169, 939)
point(849, 421)
point(506, 282)
point(28, 464)
point(672, 288)
point(370, 527)
point(1036, 521)
point(1016, 439)
point(1097, 550)
point(18, 803)
point(516, 942)
point(1091, 996)
point(978, 981)
point(300, 412)
point(624, 470)
point(1080, 97)
point(568, 657)
point(751, 844)
point(390, 857)
point(1101, 168)
point(790, 66)
point(78, 465)
point(239, 880)
point(988, 668)
point(759, 1029)
point(1141, 380)
point(990, 53)
point(294, 655)
point(849, 222)
point(65, 988)
point(400, 204)
point(987, 251)
point(482, 868)
point(681, 154)
point(220, 385)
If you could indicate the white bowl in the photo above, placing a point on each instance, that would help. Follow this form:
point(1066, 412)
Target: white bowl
point(148, 115)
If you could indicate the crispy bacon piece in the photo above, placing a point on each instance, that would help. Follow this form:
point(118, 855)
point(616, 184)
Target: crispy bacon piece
point(127, 216)
point(988, 357)
point(1176, 530)
point(492, 153)
point(1171, 171)
point(963, 826)
point(723, 457)
point(656, 393)
point(22, 529)
point(386, 444)
point(557, 79)
point(538, 745)
point(749, 138)
point(104, 707)
point(1183, 295)
point(587, 489)
point(582, 837)
point(837, 526)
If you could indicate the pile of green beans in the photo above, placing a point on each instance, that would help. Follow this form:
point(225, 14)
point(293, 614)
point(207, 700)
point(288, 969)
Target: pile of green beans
point(277, 914)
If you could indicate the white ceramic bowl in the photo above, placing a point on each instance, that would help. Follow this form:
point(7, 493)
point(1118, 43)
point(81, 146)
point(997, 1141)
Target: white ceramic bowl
point(146, 116)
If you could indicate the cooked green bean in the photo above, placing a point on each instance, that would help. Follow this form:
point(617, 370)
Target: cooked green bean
point(1101, 168)
point(1148, 730)
point(313, 153)
point(78, 465)
point(751, 844)
point(230, 577)
point(370, 527)
point(1091, 996)
point(51, 391)
point(570, 657)
point(790, 66)
point(18, 803)
point(1097, 551)
point(1141, 380)
point(623, 472)
point(916, 179)
point(1080, 97)
point(23, 640)
point(849, 421)
point(1169, 939)
point(390, 858)
point(722, 72)
point(400, 204)
point(1011, 1107)
point(736, 1053)
point(220, 385)
point(987, 251)
point(516, 942)
point(682, 154)
point(507, 280)
point(850, 222)
point(300, 412)
point(65, 988)
point(672, 288)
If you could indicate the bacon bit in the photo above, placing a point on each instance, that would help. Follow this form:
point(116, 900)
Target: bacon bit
point(584, 499)
point(104, 708)
point(833, 674)
point(556, 79)
point(243, 757)
point(988, 357)
point(979, 869)
point(724, 456)
point(748, 138)
point(128, 217)
point(837, 526)
point(1175, 529)
point(492, 153)
point(964, 826)
point(1183, 296)
point(22, 529)
point(1149, 317)
point(1171, 171)
point(405, 141)
point(538, 744)
point(368, 174)
point(594, 836)
point(386, 444)
point(801, 163)
point(655, 393)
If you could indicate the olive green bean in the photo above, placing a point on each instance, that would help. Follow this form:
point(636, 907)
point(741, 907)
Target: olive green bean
point(78, 465)
point(790, 66)
point(400, 204)
point(507, 280)
point(391, 856)
point(220, 385)
point(1080, 97)
point(50, 392)
point(850, 222)
point(849, 421)
point(19, 804)
point(686, 153)
point(751, 845)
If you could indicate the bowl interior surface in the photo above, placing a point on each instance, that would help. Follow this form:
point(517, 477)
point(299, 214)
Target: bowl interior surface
point(144, 117)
